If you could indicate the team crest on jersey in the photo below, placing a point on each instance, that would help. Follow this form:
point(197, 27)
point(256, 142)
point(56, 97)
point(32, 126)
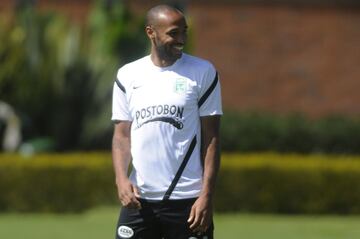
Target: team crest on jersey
point(180, 86)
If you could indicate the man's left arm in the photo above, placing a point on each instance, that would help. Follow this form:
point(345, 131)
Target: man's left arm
point(201, 212)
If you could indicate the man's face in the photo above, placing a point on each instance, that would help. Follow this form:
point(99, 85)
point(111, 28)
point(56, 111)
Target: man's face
point(170, 36)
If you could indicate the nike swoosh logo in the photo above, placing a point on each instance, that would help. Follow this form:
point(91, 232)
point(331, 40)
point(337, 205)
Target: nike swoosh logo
point(137, 87)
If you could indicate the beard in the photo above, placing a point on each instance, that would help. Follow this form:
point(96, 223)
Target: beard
point(168, 52)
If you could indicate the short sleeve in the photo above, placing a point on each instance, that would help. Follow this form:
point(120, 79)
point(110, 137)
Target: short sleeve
point(120, 105)
point(210, 94)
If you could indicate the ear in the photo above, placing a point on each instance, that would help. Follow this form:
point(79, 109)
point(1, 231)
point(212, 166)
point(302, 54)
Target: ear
point(150, 32)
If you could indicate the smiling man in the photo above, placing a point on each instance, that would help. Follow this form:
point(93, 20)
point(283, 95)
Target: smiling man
point(166, 110)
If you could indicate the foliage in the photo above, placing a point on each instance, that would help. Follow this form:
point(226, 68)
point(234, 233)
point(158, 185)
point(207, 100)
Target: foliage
point(115, 38)
point(271, 183)
point(59, 75)
point(56, 183)
point(248, 132)
point(275, 183)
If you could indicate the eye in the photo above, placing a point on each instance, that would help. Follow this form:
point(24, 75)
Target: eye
point(173, 33)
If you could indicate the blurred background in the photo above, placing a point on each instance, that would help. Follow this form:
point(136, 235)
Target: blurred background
point(289, 73)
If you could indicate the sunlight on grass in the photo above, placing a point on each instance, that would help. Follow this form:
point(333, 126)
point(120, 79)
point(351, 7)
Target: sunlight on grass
point(100, 223)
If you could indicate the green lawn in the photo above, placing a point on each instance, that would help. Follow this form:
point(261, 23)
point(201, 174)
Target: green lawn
point(99, 224)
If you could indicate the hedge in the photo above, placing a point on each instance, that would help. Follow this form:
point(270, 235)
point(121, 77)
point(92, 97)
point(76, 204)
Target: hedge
point(275, 183)
point(56, 183)
point(249, 132)
point(270, 183)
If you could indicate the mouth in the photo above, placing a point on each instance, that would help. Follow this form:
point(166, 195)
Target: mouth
point(179, 47)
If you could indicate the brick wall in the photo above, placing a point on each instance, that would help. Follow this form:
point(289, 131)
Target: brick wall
point(282, 59)
point(276, 57)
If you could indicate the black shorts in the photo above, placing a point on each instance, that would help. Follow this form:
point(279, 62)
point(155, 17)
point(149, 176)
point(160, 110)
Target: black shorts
point(159, 220)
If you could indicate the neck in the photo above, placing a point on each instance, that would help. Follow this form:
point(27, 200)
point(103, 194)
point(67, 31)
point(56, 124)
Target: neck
point(161, 61)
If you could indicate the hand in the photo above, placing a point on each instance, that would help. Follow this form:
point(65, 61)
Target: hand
point(200, 215)
point(128, 194)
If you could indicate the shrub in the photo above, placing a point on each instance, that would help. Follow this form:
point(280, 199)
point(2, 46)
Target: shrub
point(270, 183)
point(56, 183)
point(59, 75)
point(289, 184)
point(249, 132)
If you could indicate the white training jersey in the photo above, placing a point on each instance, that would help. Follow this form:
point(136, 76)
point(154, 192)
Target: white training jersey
point(164, 105)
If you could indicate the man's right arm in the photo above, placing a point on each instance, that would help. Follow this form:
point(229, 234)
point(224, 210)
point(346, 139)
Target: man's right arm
point(121, 156)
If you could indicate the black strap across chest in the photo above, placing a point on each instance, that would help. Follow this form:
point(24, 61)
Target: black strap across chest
point(181, 169)
point(192, 144)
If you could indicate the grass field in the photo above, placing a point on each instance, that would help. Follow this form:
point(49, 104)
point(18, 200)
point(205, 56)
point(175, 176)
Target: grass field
point(99, 224)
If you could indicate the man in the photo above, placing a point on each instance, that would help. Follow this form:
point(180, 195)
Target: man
point(166, 109)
